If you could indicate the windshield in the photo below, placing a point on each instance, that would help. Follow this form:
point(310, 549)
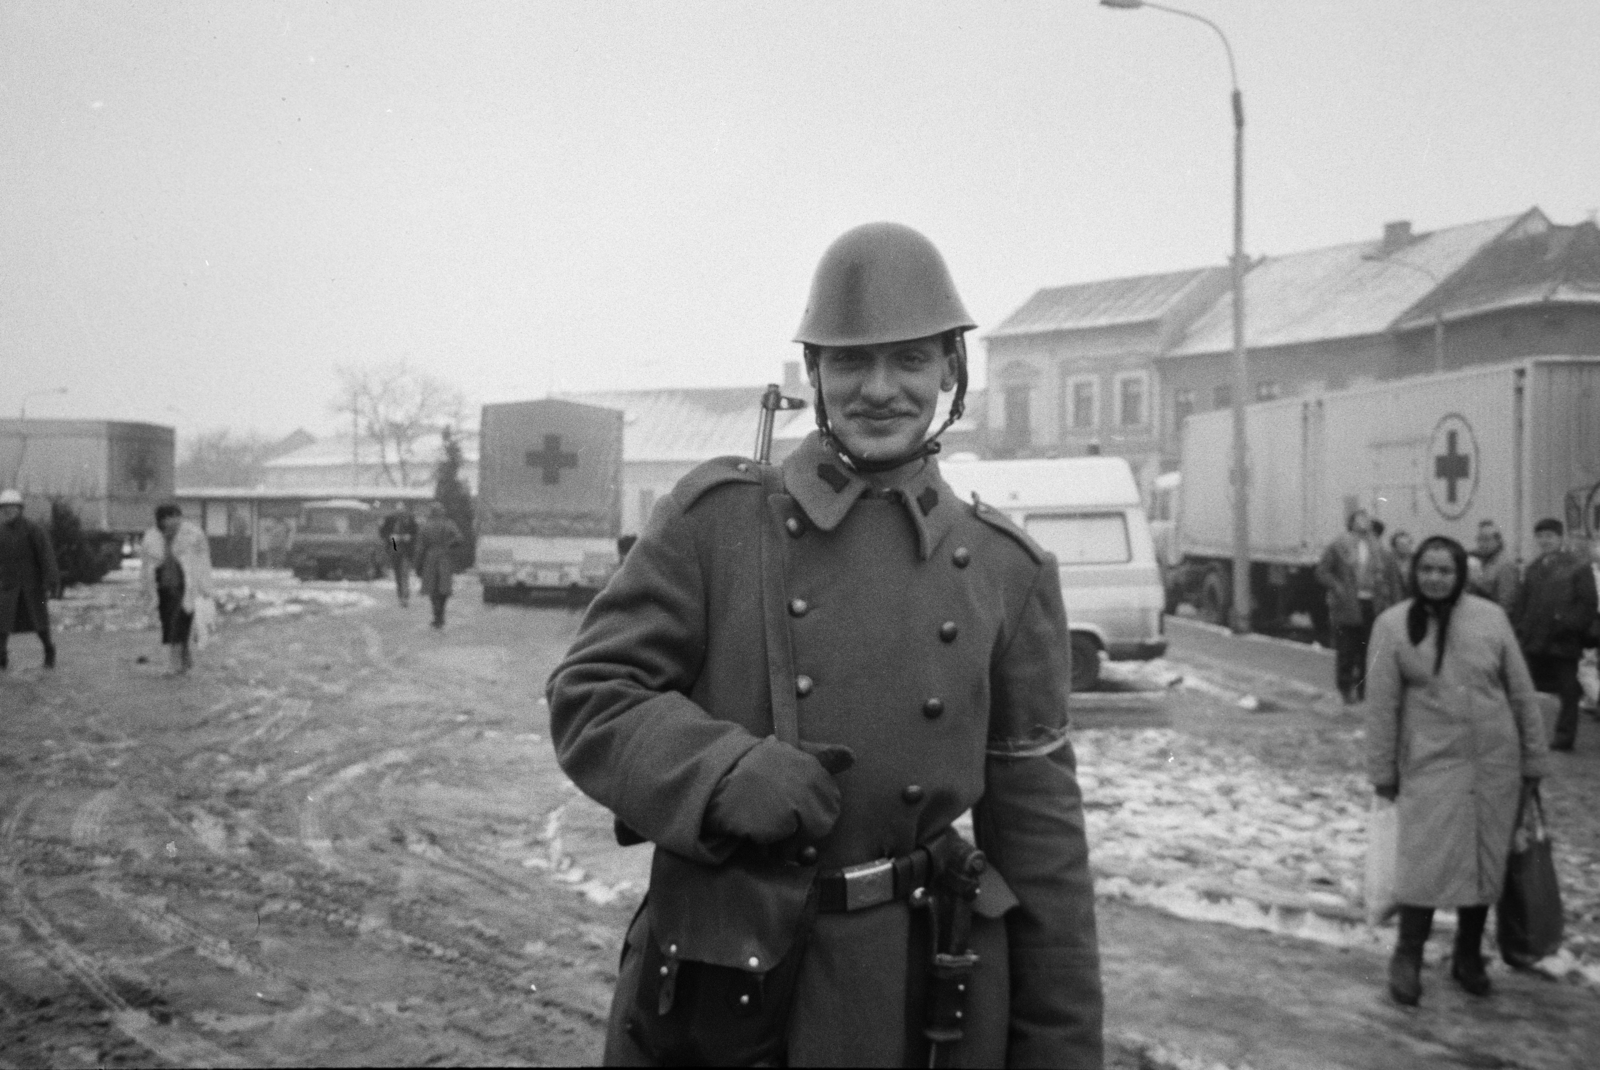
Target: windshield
point(1083, 538)
point(329, 522)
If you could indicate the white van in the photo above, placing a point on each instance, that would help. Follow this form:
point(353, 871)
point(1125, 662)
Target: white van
point(1086, 511)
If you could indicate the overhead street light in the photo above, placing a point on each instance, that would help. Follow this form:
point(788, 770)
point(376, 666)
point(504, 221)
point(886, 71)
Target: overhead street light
point(22, 411)
point(1438, 310)
point(1240, 608)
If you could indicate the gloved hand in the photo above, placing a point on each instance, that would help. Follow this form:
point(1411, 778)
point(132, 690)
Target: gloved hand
point(1387, 791)
point(777, 791)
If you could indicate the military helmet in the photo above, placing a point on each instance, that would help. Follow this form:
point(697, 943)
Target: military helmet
point(881, 282)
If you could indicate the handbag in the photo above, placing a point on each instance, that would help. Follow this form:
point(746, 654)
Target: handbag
point(1528, 921)
point(686, 1012)
point(1383, 855)
point(204, 626)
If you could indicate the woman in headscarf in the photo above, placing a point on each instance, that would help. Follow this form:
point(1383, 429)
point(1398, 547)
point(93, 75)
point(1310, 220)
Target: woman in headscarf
point(1454, 730)
point(175, 571)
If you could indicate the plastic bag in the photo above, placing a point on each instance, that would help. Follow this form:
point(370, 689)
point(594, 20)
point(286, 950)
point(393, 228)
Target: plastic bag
point(1383, 855)
point(204, 627)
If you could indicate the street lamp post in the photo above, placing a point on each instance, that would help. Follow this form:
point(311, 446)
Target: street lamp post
point(1240, 614)
point(1438, 311)
point(22, 431)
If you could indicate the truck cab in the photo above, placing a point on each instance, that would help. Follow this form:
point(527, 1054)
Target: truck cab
point(1087, 512)
point(337, 540)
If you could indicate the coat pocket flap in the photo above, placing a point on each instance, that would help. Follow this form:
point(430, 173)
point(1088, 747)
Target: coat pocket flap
point(743, 915)
point(995, 896)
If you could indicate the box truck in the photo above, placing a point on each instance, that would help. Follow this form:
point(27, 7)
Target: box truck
point(549, 498)
point(1429, 455)
point(113, 474)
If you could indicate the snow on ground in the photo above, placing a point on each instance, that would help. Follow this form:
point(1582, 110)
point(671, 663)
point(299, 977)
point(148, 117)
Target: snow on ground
point(115, 604)
point(1207, 831)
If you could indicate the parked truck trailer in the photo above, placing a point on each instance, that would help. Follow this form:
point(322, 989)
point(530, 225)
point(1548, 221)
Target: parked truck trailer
point(112, 473)
point(549, 498)
point(1430, 455)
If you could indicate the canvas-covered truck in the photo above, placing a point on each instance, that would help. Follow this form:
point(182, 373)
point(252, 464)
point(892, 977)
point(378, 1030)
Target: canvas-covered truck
point(549, 499)
point(1429, 455)
point(111, 473)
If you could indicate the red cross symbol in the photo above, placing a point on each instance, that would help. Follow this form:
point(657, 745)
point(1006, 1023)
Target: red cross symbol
point(551, 459)
point(1451, 466)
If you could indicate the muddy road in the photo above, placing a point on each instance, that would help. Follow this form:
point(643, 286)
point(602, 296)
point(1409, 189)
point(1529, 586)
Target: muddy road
point(343, 839)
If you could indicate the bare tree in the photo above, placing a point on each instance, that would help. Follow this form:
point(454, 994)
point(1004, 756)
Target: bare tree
point(396, 406)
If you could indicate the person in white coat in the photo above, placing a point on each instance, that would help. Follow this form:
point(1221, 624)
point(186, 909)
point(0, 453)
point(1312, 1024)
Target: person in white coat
point(175, 573)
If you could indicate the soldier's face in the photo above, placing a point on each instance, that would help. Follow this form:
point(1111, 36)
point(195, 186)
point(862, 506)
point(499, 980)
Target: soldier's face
point(881, 398)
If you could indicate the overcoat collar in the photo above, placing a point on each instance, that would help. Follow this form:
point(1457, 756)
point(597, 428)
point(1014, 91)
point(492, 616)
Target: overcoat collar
point(826, 489)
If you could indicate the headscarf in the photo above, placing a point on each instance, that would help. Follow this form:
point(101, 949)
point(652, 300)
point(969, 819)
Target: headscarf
point(1417, 615)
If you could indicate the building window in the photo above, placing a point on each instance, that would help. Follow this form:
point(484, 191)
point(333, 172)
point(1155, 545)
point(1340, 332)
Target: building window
point(1018, 426)
point(1222, 395)
point(1268, 389)
point(1082, 403)
point(1182, 405)
point(1131, 407)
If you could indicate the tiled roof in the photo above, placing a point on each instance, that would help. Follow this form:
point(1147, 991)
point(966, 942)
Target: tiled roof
point(1342, 291)
point(688, 424)
point(1536, 263)
point(1107, 303)
point(334, 451)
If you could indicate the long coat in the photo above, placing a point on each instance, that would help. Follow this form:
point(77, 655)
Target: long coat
point(1337, 572)
point(27, 576)
point(1555, 606)
point(193, 551)
point(435, 555)
point(931, 639)
point(1458, 744)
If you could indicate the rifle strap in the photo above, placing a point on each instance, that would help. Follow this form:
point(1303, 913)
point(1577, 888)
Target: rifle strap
point(774, 609)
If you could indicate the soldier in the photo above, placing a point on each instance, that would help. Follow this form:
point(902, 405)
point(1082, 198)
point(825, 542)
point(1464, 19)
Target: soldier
point(399, 533)
point(28, 576)
point(436, 545)
point(795, 684)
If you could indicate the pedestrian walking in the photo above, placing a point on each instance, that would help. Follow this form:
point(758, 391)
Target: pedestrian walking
point(28, 576)
point(1360, 582)
point(1400, 552)
point(436, 544)
point(1589, 665)
point(174, 574)
point(796, 682)
point(1555, 608)
point(1453, 732)
point(1497, 576)
point(399, 533)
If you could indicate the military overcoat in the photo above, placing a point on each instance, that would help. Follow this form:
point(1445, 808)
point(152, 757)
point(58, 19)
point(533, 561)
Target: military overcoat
point(27, 576)
point(435, 553)
point(929, 636)
point(1458, 743)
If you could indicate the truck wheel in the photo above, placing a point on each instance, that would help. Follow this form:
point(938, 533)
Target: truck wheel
point(1214, 598)
point(1085, 663)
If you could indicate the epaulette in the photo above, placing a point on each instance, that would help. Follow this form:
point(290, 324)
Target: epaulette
point(1004, 524)
point(714, 473)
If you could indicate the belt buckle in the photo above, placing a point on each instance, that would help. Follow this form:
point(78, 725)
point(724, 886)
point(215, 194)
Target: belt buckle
point(868, 884)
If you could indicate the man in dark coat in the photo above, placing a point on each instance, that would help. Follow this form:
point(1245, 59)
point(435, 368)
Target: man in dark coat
point(1355, 569)
point(399, 533)
point(827, 664)
point(437, 542)
point(1554, 609)
point(27, 577)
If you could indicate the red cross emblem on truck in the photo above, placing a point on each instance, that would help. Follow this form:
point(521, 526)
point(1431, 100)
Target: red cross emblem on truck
point(551, 459)
point(1453, 453)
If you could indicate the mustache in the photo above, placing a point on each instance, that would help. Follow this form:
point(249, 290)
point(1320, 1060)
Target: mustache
point(876, 412)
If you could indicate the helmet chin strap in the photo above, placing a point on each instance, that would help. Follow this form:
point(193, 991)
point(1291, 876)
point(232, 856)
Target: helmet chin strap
point(930, 445)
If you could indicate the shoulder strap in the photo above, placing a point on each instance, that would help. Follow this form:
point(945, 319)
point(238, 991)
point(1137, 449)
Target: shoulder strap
point(780, 651)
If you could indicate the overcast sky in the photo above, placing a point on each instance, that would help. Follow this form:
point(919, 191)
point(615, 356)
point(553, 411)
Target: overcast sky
point(204, 208)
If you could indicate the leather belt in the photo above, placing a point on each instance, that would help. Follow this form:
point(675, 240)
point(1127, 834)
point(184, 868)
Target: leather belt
point(873, 883)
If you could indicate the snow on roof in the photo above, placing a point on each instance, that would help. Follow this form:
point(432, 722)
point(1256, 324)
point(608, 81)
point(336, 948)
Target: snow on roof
point(687, 424)
point(1106, 303)
point(1341, 291)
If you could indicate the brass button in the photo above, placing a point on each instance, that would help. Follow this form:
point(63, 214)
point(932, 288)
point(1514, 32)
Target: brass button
point(948, 630)
point(808, 856)
point(744, 1000)
point(665, 971)
point(755, 963)
point(792, 526)
point(741, 467)
point(798, 608)
point(962, 557)
point(912, 794)
point(933, 708)
point(802, 685)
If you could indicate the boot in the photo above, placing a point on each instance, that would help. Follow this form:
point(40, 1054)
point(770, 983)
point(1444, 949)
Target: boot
point(49, 655)
point(1405, 976)
point(5, 659)
point(1466, 963)
point(185, 657)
